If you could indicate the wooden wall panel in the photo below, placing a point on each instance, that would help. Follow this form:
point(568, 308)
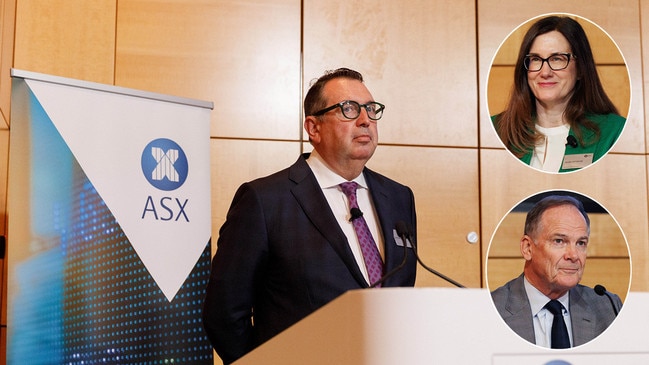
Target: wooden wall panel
point(7, 14)
point(237, 161)
point(419, 60)
point(242, 55)
point(70, 38)
point(621, 22)
point(7, 17)
point(445, 184)
point(644, 15)
point(617, 182)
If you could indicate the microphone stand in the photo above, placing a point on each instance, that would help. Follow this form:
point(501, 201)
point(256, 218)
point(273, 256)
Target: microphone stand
point(431, 270)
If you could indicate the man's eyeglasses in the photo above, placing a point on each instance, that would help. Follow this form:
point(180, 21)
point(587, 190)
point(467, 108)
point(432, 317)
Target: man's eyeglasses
point(352, 109)
point(557, 61)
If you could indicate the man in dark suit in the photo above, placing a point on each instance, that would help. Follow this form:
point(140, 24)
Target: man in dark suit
point(288, 246)
point(554, 247)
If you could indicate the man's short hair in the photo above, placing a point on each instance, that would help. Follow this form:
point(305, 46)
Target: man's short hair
point(534, 215)
point(314, 99)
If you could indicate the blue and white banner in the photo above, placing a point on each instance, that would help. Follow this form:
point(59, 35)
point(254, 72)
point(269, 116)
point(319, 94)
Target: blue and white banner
point(136, 153)
point(111, 193)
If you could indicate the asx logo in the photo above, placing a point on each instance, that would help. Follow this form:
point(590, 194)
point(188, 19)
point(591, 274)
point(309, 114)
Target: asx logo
point(164, 164)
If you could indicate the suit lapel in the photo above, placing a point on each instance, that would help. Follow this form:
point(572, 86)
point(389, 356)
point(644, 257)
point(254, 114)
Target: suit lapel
point(582, 318)
point(518, 306)
point(380, 197)
point(310, 197)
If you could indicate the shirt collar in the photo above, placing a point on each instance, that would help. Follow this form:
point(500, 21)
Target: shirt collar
point(325, 176)
point(538, 300)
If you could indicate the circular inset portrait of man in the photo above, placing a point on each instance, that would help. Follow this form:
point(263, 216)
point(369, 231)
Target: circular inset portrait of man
point(537, 274)
point(558, 93)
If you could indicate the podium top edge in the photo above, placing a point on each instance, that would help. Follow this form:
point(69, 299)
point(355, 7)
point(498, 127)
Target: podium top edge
point(29, 75)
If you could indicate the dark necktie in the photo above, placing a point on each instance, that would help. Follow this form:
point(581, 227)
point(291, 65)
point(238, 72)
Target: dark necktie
point(559, 337)
point(371, 254)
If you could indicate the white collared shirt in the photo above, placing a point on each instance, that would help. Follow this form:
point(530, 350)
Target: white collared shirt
point(329, 181)
point(542, 318)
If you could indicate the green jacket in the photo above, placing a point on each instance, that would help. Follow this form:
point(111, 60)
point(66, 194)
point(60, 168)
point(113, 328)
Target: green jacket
point(610, 125)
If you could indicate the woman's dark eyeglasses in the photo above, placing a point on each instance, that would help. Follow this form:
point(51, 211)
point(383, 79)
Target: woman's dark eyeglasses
point(556, 61)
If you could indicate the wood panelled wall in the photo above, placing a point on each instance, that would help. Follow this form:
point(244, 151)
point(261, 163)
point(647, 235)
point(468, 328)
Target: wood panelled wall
point(428, 61)
point(7, 16)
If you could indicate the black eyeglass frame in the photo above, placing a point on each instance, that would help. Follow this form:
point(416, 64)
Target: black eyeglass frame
point(364, 106)
point(526, 61)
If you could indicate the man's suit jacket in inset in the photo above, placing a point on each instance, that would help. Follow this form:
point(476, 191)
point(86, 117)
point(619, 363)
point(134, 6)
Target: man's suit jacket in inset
point(590, 314)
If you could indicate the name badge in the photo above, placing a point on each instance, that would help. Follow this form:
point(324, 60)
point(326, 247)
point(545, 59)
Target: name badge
point(577, 161)
point(399, 241)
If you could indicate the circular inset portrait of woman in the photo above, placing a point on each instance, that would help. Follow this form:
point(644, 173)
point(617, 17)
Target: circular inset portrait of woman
point(558, 269)
point(558, 93)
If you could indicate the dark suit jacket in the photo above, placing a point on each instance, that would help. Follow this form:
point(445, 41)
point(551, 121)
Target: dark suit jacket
point(590, 313)
point(282, 255)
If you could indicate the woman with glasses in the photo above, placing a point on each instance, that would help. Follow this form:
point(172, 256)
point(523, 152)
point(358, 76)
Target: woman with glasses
point(558, 117)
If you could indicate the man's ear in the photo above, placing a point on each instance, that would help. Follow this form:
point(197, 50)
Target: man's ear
point(312, 128)
point(526, 247)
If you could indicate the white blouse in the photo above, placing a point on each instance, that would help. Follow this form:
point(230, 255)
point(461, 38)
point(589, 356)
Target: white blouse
point(548, 154)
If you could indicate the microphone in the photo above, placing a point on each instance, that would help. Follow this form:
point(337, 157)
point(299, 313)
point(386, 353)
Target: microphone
point(431, 270)
point(601, 291)
point(572, 141)
point(402, 232)
point(356, 213)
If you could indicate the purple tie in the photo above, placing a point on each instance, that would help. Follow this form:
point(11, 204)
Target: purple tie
point(371, 254)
